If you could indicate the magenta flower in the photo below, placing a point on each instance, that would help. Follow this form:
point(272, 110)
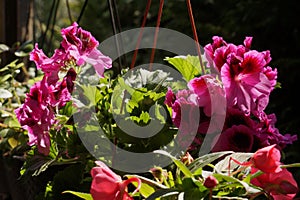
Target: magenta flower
point(50, 66)
point(210, 182)
point(268, 134)
point(36, 117)
point(211, 96)
point(247, 78)
point(60, 93)
point(82, 47)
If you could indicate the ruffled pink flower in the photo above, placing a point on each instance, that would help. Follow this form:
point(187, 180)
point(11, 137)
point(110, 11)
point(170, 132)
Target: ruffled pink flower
point(108, 185)
point(281, 185)
point(35, 116)
point(247, 78)
point(82, 47)
point(60, 93)
point(211, 96)
point(50, 66)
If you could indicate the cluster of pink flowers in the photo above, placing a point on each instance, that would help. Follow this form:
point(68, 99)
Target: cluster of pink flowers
point(238, 88)
point(37, 114)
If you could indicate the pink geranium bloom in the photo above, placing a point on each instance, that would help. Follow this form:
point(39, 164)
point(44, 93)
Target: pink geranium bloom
point(50, 66)
point(247, 78)
point(36, 117)
point(210, 92)
point(108, 185)
point(82, 47)
point(60, 93)
point(281, 185)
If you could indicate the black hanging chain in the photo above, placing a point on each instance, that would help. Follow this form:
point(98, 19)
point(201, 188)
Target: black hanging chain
point(82, 11)
point(69, 11)
point(116, 26)
point(48, 23)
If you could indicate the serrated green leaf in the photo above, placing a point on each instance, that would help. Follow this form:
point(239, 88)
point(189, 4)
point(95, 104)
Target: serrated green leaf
point(188, 66)
point(86, 196)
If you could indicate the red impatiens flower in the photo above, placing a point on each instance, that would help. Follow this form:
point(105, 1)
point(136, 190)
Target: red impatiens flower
point(281, 185)
point(267, 159)
point(107, 185)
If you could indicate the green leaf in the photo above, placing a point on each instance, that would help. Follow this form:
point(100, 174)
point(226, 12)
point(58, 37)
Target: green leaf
point(86, 196)
point(5, 94)
point(91, 93)
point(3, 48)
point(146, 190)
point(177, 162)
point(12, 122)
point(188, 66)
point(24, 49)
point(162, 193)
point(222, 166)
point(150, 182)
point(5, 78)
point(206, 159)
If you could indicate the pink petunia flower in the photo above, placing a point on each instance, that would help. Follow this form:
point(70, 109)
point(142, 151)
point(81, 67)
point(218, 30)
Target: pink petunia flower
point(108, 185)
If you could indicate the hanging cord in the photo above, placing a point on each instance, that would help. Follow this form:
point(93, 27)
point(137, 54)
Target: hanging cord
point(69, 11)
point(140, 34)
point(53, 25)
point(116, 26)
point(161, 4)
point(82, 11)
point(48, 23)
point(28, 18)
point(190, 11)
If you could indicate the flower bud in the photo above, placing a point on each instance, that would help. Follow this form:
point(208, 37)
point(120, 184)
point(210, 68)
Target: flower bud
point(210, 182)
